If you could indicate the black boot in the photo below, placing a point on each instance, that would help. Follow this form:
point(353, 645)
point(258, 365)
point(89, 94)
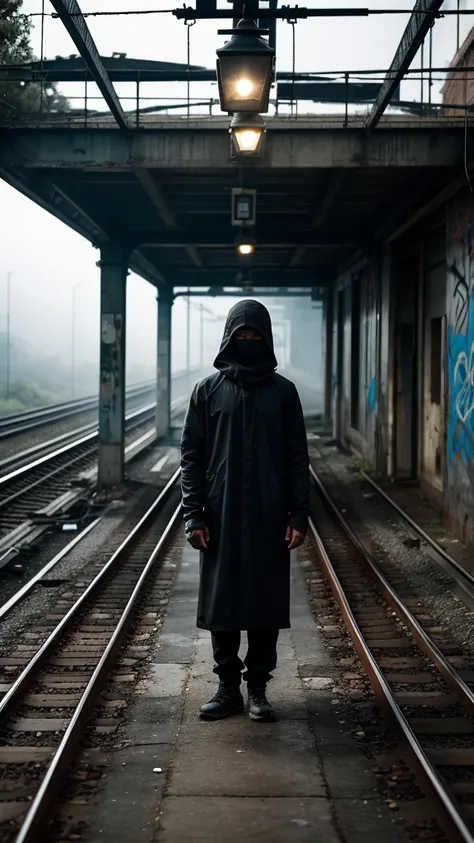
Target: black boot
point(227, 701)
point(259, 707)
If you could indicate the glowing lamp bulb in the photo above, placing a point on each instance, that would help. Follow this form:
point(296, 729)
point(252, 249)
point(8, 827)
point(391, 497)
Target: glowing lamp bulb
point(245, 248)
point(248, 139)
point(244, 87)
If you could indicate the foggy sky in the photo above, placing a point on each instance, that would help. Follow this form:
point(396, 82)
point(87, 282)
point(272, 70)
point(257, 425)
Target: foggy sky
point(47, 258)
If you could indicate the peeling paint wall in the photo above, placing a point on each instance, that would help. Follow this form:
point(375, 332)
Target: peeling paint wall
point(459, 499)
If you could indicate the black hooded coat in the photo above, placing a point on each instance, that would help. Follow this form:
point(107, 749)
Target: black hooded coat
point(245, 475)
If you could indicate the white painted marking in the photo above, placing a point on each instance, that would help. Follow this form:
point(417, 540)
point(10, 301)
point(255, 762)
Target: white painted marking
point(161, 462)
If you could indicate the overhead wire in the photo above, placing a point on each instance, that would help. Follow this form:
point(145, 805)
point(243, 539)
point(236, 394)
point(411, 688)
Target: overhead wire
point(313, 12)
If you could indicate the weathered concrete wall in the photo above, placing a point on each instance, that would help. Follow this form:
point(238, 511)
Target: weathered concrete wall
point(445, 373)
point(459, 495)
point(356, 426)
point(434, 280)
point(205, 145)
point(341, 359)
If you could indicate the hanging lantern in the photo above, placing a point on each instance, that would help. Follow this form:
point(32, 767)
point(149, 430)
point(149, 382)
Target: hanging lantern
point(245, 244)
point(247, 133)
point(245, 69)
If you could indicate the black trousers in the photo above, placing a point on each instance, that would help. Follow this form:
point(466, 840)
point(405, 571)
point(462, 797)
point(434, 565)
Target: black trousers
point(260, 660)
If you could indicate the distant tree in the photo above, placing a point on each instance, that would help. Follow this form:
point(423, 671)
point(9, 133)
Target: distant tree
point(15, 48)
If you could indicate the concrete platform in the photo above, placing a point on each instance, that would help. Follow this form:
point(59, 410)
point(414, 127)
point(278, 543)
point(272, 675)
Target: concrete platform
point(179, 779)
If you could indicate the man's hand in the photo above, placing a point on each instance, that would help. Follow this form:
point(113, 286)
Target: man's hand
point(198, 538)
point(294, 537)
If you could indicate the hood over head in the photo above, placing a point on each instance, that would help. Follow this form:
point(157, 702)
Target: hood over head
point(249, 314)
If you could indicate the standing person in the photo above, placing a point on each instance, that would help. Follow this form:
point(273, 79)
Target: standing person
point(245, 487)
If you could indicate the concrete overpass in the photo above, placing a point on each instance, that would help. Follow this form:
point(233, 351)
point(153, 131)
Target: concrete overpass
point(158, 200)
point(162, 196)
point(154, 195)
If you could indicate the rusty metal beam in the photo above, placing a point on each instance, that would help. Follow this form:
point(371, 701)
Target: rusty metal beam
point(417, 28)
point(157, 197)
point(296, 256)
point(194, 255)
point(71, 17)
point(429, 208)
point(394, 215)
point(223, 238)
point(335, 183)
point(147, 270)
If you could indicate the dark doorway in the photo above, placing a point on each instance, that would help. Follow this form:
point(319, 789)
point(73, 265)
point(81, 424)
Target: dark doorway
point(406, 327)
point(355, 351)
point(340, 364)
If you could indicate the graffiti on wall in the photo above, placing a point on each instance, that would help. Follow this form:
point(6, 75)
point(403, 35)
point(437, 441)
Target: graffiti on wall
point(372, 396)
point(461, 343)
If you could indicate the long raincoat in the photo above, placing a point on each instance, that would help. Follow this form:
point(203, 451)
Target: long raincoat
point(245, 475)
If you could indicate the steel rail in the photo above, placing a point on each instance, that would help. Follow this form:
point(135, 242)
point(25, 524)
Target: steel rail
point(23, 681)
point(11, 424)
point(447, 671)
point(6, 550)
point(55, 412)
point(25, 469)
point(446, 811)
point(65, 753)
point(58, 469)
point(5, 608)
point(92, 427)
point(13, 601)
point(465, 576)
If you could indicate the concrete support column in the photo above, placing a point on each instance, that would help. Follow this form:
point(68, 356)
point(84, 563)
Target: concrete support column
point(113, 284)
point(163, 375)
point(328, 316)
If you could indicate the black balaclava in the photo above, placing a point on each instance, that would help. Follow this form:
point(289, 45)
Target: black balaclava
point(247, 352)
point(234, 360)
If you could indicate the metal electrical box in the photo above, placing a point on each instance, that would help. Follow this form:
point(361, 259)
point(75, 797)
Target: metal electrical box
point(244, 206)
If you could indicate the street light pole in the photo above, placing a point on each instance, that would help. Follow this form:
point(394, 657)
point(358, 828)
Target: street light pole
point(7, 381)
point(73, 338)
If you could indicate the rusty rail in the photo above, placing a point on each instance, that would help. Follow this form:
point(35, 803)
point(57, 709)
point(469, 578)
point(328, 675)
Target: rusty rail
point(459, 573)
point(32, 825)
point(446, 810)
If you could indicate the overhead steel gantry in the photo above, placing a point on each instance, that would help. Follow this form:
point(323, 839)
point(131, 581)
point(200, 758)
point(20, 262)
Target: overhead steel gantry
point(189, 161)
point(421, 20)
point(114, 263)
point(72, 18)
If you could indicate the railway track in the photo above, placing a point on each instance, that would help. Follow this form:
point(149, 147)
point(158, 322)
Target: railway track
point(53, 684)
point(15, 424)
point(30, 488)
point(37, 491)
point(421, 679)
point(456, 570)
